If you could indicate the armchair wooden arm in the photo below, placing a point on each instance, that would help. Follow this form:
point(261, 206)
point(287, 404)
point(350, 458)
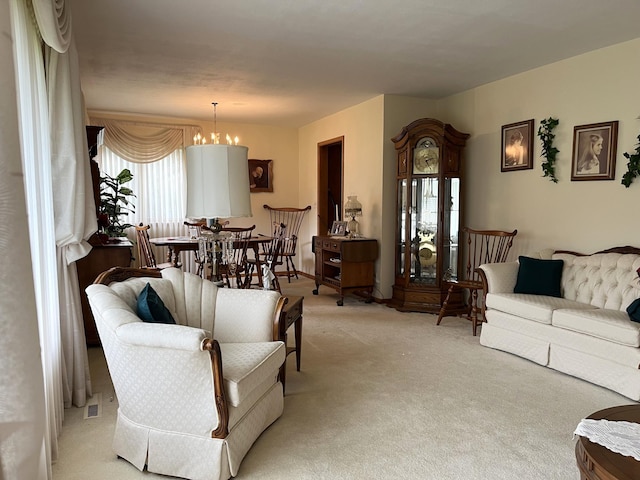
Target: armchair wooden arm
point(213, 347)
point(119, 274)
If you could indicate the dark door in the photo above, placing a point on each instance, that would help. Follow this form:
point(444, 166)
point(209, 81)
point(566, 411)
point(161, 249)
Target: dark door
point(330, 158)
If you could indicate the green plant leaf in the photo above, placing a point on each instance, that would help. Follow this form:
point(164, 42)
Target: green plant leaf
point(633, 166)
point(549, 152)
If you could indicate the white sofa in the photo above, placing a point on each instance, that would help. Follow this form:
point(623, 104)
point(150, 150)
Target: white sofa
point(586, 333)
point(195, 395)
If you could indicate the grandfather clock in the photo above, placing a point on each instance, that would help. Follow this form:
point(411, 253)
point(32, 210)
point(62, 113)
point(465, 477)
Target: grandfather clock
point(429, 178)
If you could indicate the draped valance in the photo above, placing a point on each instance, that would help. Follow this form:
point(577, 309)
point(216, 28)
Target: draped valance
point(54, 23)
point(142, 142)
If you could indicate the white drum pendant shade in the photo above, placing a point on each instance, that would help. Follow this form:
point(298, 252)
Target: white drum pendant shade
point(218, 181)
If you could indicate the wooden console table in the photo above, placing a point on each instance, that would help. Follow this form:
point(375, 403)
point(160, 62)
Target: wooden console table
point(599, 463)
point(345, 264)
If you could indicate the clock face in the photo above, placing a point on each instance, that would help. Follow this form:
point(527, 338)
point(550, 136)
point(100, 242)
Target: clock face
point(425, 159)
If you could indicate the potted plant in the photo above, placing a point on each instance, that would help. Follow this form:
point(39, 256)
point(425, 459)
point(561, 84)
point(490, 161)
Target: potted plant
point(115, 204)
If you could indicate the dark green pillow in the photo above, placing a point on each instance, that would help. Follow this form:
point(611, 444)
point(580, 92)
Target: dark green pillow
point(151, 307)
point(539, 277)
point(634, 310)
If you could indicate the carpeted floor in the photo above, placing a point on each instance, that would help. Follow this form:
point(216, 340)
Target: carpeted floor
point(384, 394)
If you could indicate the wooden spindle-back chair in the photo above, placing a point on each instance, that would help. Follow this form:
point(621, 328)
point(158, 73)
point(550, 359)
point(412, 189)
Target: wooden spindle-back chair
point(146, 257)
point(292, 219)
point(483, 246)
point(235, 272)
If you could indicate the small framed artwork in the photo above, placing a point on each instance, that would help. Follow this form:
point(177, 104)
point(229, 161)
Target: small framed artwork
point(339, 228)
point(517, 146)
point(260, 175)
point(594, 151)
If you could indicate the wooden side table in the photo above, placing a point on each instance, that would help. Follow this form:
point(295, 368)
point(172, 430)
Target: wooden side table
point(291, 315)
point(599, 463)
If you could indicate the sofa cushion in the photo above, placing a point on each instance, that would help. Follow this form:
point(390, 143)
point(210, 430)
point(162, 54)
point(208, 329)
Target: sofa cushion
point(246, 365)
point(539, 277)
point(612, 325)
point(538, 308)
point(150, 307)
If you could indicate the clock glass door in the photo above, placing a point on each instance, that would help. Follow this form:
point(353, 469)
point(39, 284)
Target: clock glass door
point(451, 227)
point(424, 227)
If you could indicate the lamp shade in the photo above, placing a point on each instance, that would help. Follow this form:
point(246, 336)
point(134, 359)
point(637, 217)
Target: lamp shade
point(218, 181)
point(353, 208)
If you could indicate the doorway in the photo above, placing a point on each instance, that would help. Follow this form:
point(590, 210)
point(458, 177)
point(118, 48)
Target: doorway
point(330, 158)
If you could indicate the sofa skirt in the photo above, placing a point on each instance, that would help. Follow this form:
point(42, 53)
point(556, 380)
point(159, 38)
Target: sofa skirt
point(598, 361)
point(619, 378)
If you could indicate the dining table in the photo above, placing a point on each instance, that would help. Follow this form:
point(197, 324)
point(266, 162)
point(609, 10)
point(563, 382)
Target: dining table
point(176, 245)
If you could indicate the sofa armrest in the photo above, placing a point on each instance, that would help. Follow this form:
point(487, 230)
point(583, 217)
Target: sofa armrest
point(500, 277)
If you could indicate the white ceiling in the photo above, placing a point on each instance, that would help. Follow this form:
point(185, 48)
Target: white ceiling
point(291, 62)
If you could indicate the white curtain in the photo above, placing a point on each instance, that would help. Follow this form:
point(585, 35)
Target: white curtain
point(161, 191)
point(36, 166)
point(74, 212)
point(57, 185)
point(23, 452)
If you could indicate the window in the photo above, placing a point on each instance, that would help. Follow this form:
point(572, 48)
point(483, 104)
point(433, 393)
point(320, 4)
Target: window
point(160, 189)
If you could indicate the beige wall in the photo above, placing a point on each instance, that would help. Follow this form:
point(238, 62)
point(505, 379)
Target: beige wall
point(369, 171)
point(362, 129)
point(586, 216)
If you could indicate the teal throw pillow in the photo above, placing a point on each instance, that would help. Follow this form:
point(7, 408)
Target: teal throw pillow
point(539, 277)
point(151, 307)
point(634, 310)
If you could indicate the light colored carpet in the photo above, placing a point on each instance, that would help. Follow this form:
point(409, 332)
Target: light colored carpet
point(384, 394)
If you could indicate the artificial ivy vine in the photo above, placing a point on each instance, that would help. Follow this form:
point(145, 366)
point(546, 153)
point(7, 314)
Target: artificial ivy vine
point(549, 152)
point(633, 167)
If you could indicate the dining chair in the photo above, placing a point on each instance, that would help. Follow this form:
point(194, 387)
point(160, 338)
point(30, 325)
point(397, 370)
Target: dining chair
point(269, 258)
point(146, 257)
point(483, 246)
point(292, 218)
point(234, 267)
point(194, 230)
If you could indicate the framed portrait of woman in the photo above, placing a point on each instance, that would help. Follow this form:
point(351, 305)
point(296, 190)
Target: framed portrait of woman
point(594, 151)
point(517, 146)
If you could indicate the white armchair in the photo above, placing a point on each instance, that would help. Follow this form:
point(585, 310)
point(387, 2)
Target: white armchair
point(193, 397)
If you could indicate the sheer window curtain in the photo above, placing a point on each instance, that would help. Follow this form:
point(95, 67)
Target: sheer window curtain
point(23, 418)
point(160, 189)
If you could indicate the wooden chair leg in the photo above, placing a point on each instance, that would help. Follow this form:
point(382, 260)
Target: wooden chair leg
point(287, 262)
point(474, 310)
point(293, 267)
point(298, 335)
point(443, 309)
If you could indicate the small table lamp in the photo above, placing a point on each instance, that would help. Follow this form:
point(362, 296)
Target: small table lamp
point(353, 209)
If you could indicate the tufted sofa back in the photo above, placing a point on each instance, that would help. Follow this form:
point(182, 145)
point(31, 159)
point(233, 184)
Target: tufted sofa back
point(604, 280)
